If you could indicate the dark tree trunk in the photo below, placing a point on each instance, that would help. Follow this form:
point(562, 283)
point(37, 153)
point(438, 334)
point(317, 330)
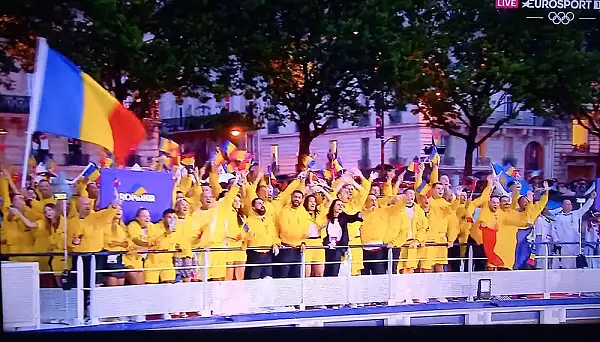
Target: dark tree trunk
point(304, 144)
point(468, 169)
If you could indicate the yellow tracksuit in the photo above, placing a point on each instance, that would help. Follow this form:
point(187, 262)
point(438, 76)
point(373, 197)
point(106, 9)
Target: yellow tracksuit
point(214, 235)
point(292, 225)
point(261, 233)
point(236, 237)
point(20, 238)
point(408, 230)
point(91, 230)
point(135, 260)
point(161, 239)
point(50, 239)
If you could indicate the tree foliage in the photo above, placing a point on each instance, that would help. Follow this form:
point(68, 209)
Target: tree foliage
point(146, 46)
point(477, 57)
point(316, 61)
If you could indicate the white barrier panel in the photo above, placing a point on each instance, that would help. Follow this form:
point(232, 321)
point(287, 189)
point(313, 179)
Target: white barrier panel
point(20, 295)
point(118, 301)
point(58, 305)
point(237, 297)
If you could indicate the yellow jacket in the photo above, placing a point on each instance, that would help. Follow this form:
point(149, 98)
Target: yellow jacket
point(236, 235)
point(214, 231)
point(403, 229)
point(375, 225)
point(163, 240)
point(186, 233)
point(91, 229)
point(116, 232)
point(19, 238)
point(293, 225)
point(261, 233)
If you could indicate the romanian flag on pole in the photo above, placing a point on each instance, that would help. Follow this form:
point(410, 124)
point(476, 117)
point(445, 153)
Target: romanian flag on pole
point(69, 103)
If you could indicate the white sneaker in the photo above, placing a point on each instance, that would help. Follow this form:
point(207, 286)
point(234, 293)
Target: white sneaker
point(442, 300)
point(353, 306)
point(321, 307)
point(139, 318)
point(166, 316)
point(423, 300)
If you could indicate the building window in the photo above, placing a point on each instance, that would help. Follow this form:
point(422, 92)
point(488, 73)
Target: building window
point(272, 127)
point(445, 141)
point(396, 148)
point(395, 117)
point(333, 124)
point(580, 134)
point(275, 154)
point(508, 146)
point(508, 106)
point(333, 146)
point(364, 149)
point(365, 121)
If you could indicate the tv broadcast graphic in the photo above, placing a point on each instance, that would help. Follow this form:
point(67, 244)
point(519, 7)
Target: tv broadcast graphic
point(299, 164)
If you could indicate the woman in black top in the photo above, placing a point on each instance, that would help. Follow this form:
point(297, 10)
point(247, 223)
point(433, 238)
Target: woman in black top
point(337, 235)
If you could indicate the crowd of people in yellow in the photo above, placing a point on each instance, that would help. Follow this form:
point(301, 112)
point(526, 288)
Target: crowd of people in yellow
point(245, 225)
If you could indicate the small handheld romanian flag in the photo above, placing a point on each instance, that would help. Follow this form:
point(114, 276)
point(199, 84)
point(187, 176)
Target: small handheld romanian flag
point(217, 157)
point(188, 159)
point(308, 161)
point(423, 189)
point(168, 146)
point(228, 148)
point(69, 103)
point(91, 172)
point(413, 166)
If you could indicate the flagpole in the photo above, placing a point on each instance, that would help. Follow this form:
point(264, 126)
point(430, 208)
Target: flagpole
point(34, 103)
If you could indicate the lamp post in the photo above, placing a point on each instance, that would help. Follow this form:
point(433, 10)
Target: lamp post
point(383, 142)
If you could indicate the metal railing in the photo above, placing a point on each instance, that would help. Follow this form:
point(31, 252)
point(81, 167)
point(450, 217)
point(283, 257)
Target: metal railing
point(206, 265)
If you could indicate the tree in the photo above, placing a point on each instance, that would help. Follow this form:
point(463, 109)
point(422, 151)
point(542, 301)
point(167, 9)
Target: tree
point(142, 46)
point(477, 57)
point(318, 59)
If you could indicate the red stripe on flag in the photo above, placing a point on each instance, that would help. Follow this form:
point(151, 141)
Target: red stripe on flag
point(489, 244)
point(127, 131)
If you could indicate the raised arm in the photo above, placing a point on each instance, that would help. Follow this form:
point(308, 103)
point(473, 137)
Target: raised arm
point(485, 194)
point(435, 175)
point(213, 180)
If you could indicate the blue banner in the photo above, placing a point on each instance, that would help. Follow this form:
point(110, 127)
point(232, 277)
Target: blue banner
point(151, 190)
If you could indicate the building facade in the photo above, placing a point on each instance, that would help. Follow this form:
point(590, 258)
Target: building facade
point(563, 150)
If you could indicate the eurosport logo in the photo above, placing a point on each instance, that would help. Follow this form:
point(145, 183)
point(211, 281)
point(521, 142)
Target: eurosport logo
point(561, 11)
point(137, 194)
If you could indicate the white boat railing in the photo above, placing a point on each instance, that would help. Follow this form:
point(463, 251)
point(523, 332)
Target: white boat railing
point(250, 296)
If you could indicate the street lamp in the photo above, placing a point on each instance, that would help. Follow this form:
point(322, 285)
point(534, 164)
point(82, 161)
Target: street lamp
point(235, 132)
point(382, 164)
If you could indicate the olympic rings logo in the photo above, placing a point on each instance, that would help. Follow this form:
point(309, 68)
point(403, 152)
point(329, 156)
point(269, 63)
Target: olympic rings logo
point(561, 17)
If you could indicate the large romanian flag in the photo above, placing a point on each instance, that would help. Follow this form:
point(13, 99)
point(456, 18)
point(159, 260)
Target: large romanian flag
point(69, 103)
